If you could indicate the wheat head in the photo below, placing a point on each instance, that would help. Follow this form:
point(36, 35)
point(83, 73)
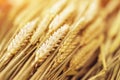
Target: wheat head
point(22, 37)
point(80, 56)
point(61, 53)
point(44, 51)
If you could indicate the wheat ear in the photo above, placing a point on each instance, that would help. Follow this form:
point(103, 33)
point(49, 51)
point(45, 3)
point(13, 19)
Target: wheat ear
point(73, 33)
point(94, 29)
point(49, 45)
point(24, 13)
point(19, 41)
point(60, 18)
point(78, 59)
point(36, 12)
point(22, 37)
point(92, 10)
point(60, 58)
point(55, 9)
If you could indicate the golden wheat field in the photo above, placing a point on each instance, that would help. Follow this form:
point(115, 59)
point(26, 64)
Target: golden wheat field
point(59, 39)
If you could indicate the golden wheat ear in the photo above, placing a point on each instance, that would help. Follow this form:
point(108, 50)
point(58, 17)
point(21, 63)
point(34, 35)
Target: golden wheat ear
point(19, 41)
point(63, 52)
point(77, 60)
point(51, 43)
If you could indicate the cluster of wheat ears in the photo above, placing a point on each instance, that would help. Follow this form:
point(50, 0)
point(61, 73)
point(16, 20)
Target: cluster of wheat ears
point(59, 39)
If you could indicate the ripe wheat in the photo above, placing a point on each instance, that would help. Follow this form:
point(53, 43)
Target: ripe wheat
point(44, 51)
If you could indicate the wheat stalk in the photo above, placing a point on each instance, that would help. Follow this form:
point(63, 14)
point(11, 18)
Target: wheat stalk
point(16, 62)
point(44, 50)
point(55, 73)
point(115, 44)
point(25, 69)
point(115, 28)
point(19, 41)
point(103, 51)
point(116, 69)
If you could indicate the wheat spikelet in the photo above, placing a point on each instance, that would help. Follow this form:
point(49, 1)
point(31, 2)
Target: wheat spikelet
point(26, 69)
point(46, 21)
point(97, 76)
point(19, 41)
point(44, 50)
point(118, 75)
